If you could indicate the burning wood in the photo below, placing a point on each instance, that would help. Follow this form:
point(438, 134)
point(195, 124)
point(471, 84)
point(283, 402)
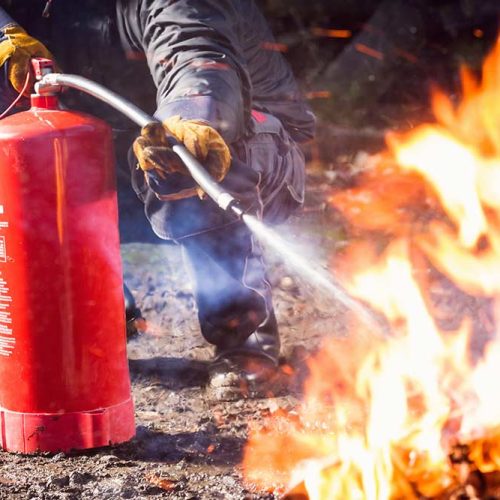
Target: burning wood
point(160, 482)
point(469, 483)
point(417, 415)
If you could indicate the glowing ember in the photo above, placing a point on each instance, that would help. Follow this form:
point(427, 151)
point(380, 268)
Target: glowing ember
point(416, 416)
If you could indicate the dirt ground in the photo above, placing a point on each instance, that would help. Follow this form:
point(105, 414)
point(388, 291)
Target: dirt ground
point(187, 446)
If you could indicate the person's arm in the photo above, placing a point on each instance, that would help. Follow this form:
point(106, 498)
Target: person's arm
point(193, 54)
point(203, 89)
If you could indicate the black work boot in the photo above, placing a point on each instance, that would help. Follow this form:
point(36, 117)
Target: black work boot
point(250, 370)
point(135, 323)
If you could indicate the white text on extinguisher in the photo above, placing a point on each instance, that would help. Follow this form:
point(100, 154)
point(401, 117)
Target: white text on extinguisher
point(7, 341)
point(3, 250)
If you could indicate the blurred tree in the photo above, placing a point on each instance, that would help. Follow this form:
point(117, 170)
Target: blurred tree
point(377, 59)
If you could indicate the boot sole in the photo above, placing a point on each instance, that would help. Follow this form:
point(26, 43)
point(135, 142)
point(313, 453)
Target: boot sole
point(275, 387)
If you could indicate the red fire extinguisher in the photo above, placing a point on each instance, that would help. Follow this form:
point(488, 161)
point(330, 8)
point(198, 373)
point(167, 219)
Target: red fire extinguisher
point(64, 381)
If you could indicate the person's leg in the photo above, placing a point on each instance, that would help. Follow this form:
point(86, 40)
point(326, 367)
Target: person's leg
point(135, 323)
point(235, 311)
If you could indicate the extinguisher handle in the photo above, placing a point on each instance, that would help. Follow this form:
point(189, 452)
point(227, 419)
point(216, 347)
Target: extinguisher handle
point(226, 201)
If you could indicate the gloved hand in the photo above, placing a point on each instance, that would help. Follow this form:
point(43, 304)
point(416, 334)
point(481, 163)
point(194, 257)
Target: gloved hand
point(18, 49)
point(201, 140)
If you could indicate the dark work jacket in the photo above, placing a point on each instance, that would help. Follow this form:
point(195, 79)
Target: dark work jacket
point(209, 59)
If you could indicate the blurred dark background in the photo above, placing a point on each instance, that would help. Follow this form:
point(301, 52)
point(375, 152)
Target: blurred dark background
point(372, 62)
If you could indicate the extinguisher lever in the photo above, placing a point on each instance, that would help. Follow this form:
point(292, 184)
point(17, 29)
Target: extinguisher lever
point(41, 68)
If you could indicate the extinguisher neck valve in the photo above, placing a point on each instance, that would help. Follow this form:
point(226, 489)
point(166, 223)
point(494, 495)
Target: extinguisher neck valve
point(43, 88)
point(42, 68)
point(44, 101)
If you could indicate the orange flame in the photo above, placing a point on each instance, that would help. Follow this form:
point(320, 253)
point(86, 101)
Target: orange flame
point(381, 417)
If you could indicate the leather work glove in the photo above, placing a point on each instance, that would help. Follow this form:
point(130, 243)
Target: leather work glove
point(204, 142)
point(19, 48)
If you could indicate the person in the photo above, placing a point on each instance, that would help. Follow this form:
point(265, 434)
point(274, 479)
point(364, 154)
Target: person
point(223, 90)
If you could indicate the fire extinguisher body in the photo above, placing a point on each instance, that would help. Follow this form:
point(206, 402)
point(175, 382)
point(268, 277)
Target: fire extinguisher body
point(64, 381)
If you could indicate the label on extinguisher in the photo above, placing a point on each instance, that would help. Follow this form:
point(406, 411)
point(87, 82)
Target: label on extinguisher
point(3, 250)
point(3, 224)
point(7, 341)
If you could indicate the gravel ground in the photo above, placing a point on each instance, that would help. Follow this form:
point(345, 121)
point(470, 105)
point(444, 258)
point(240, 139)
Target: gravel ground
point(186, 445)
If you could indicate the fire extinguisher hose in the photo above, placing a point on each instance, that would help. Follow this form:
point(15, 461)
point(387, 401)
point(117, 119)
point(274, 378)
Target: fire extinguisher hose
point(222, 198)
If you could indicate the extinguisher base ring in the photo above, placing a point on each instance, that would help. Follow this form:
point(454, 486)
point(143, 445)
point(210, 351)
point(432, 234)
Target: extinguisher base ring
point(64, 432)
